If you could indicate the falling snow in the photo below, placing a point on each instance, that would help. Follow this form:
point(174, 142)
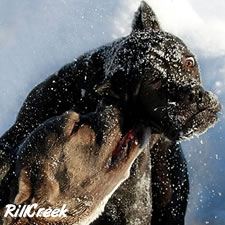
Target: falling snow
point(70, 36)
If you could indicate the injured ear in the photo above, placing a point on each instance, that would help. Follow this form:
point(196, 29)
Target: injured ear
point(145, 19)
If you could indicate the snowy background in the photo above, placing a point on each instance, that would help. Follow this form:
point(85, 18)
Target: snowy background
point(38, 37)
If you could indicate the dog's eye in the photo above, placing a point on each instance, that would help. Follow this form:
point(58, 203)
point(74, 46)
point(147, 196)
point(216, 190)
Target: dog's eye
point(190, 62)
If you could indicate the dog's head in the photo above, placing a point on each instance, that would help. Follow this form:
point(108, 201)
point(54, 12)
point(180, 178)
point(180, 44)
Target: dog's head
point(156, 71)
point(171, 92)
point(78, 161)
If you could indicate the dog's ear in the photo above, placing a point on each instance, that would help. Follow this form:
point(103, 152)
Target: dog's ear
point(145, 19)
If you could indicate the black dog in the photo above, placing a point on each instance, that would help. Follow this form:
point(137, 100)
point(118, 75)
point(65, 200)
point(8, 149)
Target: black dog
point(156, 78)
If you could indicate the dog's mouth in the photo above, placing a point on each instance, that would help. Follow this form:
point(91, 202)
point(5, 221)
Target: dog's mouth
point(193, 123)
point(135, 139)
point(119, 139)
point(178, 110)
point(211, 111)
point(124, 146)
point(202, 120)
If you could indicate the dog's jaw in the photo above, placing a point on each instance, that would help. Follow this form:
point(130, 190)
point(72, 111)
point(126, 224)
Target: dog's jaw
point(194, 119)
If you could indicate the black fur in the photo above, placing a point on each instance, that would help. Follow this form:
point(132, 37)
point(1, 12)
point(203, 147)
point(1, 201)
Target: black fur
point(146, 72)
